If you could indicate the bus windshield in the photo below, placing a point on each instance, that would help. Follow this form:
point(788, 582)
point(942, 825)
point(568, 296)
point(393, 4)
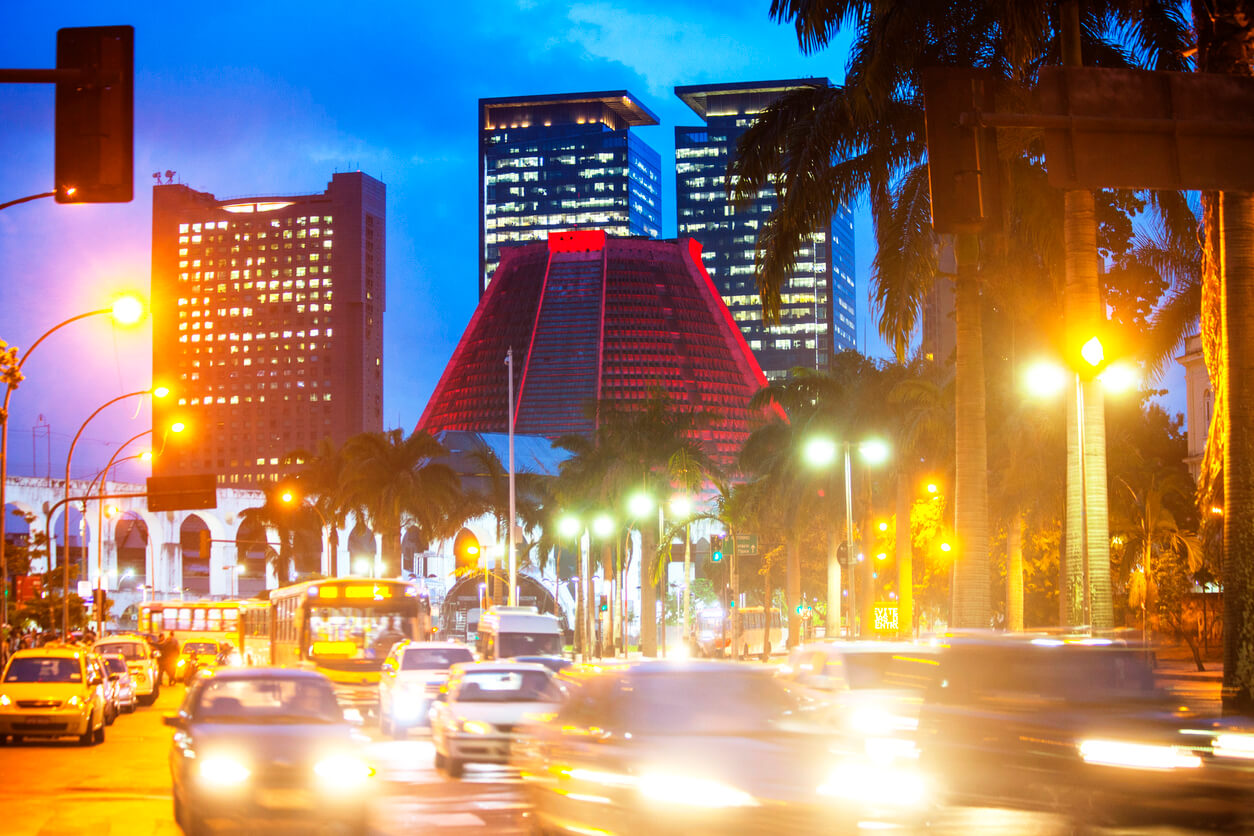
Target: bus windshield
point(357, 633)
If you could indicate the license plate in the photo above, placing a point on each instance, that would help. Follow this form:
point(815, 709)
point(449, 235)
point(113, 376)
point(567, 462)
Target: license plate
point(41, 721)
point(283, 799)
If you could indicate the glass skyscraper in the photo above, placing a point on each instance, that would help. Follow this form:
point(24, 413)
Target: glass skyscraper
point(563, 162)
point(817, 314)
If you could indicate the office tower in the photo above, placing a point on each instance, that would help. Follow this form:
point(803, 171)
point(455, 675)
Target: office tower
point(267, 324)
point(594, 318)
point(817, 314)
point(562, 162)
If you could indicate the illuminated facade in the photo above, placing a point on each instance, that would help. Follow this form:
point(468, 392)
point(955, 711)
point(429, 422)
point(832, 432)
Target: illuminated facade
point(267, 323)
point(817, 313)
point(596, 318)
point(569, 161)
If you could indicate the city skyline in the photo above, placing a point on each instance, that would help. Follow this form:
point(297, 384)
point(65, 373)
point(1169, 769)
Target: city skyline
point(245, 100)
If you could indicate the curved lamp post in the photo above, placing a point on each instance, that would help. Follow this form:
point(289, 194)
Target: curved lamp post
point(156, 392)
point(126, 310)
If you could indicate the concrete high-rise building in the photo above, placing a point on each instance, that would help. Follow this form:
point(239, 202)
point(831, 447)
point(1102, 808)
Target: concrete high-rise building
point(563, 162)
point(267, 323)
point(817, 314)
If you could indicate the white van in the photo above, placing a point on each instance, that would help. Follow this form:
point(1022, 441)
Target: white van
point(506, 632)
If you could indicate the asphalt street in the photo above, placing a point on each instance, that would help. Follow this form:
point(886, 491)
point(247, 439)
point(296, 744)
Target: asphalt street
point(123, 785)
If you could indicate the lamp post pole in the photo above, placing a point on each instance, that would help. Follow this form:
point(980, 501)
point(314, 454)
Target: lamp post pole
point(853, 568)
point(513, 514)
point(104, 478)
point(12, 375)
point(65, 567)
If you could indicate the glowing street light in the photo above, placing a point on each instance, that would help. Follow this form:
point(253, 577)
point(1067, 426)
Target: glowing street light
point(640, 504)
point(820, 452)
point(124, 312)
point(603, 525)
point(569, 526)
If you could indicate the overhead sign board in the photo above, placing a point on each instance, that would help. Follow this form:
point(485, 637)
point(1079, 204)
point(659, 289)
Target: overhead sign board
point(746, 545)
point(182, 493)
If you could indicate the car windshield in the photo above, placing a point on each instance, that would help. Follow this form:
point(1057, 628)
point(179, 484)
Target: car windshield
point(692, 702)
point(131, 650)
point(528, 644)
point(507, 686)
point(266, 700)
point(44, 669)
point(115, 664)
point(434, 658)
point(199, 648)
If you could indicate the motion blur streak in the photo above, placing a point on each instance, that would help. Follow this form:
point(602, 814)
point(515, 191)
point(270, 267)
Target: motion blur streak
point(1137, 755)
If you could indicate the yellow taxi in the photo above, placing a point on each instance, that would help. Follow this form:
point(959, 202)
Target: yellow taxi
point(54, 691)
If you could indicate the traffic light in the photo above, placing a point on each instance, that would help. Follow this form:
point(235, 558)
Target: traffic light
point(605, 603)
point(465, 552)
point(716, 548)
point(205, 541)
point(95, 115)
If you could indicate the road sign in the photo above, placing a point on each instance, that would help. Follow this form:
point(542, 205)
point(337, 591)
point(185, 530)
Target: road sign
point(746, 545)
point(884, 618)
point(182, 493)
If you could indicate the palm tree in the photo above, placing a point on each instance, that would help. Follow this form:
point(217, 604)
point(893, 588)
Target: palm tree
point(818, 148)
point(394, 480)
point(289, 522)
point(321, 476)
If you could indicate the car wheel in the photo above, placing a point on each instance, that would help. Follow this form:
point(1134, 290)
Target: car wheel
point(440, 761)
point(454, 767)
point(130, 707)
point(99, 736)
point(86, 738)
point(110, 716)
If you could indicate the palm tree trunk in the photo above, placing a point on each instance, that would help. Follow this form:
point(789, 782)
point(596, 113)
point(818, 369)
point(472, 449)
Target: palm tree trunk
point(1014, 572)
point(1237, 266)
point(834, 597)
point(1084, 319)
point(648, 591)
point(867, 593)
point(971, 580)
point(905, 558)
point(766, 609)
point(793, 590)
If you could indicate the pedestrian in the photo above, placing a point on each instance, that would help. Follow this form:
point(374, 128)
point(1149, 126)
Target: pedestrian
point(169, 648)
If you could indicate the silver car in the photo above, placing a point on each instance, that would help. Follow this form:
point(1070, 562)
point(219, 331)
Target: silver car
point(121, 680)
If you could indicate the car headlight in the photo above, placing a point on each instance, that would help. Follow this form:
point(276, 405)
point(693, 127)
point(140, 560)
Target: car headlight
point(875, 785)
point(223, 771)
point(343, 771)
point(1227, 745)
point(688, 791)
point(5, 702)
point(74, 701)
point(476, 727)
point(182, 663)
point(1137, 755)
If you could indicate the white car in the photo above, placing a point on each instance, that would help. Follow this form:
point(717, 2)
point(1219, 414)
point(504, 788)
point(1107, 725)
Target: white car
point(410, 681)
point(139, 660)
point(474, 718)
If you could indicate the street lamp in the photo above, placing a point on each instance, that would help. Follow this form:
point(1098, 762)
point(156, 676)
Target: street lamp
point(1044, 379)
point(288, 496)
point(125, 310)
point(820, 452)
point(154, 391)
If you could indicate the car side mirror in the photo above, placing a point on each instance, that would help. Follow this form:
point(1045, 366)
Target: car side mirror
point(114, 677)
point(174, 721)
point(93, 680)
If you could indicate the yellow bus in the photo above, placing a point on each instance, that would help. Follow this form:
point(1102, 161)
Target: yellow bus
point(344, 628)
point(193, 620)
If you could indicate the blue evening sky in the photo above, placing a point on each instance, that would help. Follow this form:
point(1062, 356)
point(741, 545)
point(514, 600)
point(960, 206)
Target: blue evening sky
point(272, 98)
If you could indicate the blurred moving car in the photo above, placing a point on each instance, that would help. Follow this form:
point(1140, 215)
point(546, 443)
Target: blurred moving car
point(410, 681)
point(691, 747)
point(53, 692)
point(140, 660)
point(473, 719)
point(199, 654)
point(256, 745)
point(120, 678)
point(1072, 727)
point(556, 664)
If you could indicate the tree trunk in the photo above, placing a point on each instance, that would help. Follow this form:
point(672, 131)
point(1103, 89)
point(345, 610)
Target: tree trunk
point(1236, 223)
point(766, 610)
point(868, 568)
point(648, 591)
point(971, 579)
point(792, 594)
point(1014, 572)
point(834, 599)
point(904, 557)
